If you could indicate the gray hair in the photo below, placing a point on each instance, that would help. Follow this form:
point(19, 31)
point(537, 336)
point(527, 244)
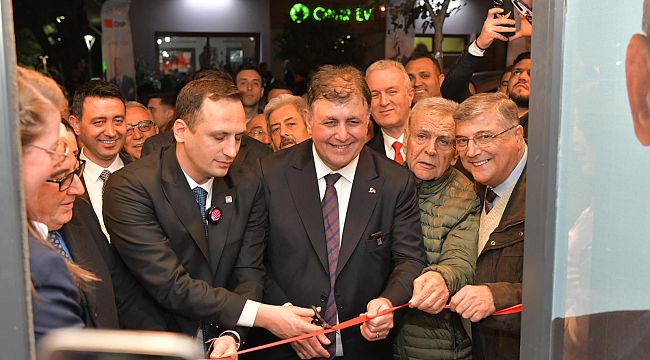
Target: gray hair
point(504, 108)
point(285, 99)
point(135, 104)
point(390, 64)
point(434, 106)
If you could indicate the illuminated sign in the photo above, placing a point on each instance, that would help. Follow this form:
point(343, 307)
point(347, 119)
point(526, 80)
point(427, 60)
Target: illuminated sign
point(300, 12)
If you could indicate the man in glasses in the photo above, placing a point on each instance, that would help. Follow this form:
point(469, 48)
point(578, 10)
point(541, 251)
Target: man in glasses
point(139, 127)
point(116, 300)
point(491, 145)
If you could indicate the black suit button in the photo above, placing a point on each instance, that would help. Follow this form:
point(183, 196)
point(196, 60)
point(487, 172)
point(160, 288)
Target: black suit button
point(323, 298)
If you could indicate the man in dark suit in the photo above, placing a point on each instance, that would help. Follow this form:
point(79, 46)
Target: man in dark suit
point(191, 225)
point(490, 142)
point(97, 116)
point(358, 250)
point(392, 96)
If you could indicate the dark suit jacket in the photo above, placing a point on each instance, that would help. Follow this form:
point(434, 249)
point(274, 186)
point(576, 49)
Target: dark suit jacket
point(156, 226)
point(377, 143)
point(297, 264)
point(249, 153)
point(117, 301)
point(55, 299)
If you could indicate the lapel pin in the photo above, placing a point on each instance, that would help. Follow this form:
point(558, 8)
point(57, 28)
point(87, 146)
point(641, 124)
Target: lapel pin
point(372, 190)
point(213, 215)
point(228, 199)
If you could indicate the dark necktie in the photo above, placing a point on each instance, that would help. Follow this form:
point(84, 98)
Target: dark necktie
point(201, 196)
point(397, 146)
point(103, 177)
point(57, 240)
point(330, 207)
point(490, 196)
point(209, 331)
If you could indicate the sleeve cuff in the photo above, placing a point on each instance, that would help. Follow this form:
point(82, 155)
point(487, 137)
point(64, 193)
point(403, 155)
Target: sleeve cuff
point(474, 50)
point(248, 314)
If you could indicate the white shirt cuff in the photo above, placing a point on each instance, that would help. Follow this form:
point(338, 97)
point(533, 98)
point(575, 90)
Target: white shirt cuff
point(248, 315)
point(474, 50)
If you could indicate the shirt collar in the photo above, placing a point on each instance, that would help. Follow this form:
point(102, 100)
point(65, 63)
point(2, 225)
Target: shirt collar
point(92, 170)
point(510, 182)
point(388, 140)
point(347, 171)
point(207, 186)
point(40, 228)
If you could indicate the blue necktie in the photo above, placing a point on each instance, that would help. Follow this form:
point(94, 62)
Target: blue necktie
point(201, 196)
point(330, 206)
point(57, 240)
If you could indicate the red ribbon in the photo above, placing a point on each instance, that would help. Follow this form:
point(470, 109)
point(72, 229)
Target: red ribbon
point(355, 321)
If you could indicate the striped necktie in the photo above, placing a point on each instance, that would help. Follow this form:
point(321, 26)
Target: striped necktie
point(330, 206)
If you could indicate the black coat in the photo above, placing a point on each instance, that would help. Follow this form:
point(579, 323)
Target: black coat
point(382, 200)
point(156, 226)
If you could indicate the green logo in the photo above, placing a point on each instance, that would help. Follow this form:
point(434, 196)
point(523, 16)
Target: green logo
point(299, 13)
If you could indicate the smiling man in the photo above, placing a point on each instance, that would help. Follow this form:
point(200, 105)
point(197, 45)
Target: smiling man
point(391, 98)
point(191, 225)
point(426, 77)
point(491, 145)
point(98, 120)
point(139, 127)
point(347, 217)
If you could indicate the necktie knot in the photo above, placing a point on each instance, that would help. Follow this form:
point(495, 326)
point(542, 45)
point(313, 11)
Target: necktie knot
point(397, 146)
point(331, 179)
point(200, 195)
point(490, 196)
point(57, 240)
point(104, 175)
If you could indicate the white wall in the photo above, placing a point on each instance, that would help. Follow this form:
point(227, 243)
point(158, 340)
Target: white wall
point(151, 16)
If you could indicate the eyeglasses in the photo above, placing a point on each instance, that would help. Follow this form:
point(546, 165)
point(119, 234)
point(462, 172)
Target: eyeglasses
point(57, 155)
point(480, 139)
point(442, 142)
point(66, 181)
point(524, 10)
point(143, 126)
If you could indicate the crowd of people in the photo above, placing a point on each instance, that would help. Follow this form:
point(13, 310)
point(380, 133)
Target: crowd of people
point(241, 221)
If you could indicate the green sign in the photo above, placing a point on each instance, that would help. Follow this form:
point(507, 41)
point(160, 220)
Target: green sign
point(300, 12)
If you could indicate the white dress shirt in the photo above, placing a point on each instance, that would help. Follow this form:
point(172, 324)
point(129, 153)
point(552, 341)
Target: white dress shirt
point(248, 314)
point(94, 184)
point(388, 145)
point(343, 190)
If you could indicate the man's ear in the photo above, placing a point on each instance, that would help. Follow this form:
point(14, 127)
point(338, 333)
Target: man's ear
point(180, 129)
point(305, 116)
point(75, 123)
point(637, 74)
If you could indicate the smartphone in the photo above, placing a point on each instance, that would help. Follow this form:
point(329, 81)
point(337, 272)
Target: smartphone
point(508, 12)
point(92, 344)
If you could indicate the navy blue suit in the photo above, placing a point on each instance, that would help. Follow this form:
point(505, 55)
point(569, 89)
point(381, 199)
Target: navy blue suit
point(54, 300)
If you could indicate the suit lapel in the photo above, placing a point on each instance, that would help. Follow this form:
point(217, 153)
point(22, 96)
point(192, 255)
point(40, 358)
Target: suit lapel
point(74, 240)
point(223, 198)
point(181, 199)
point(360, 207)
point(303, 186)
point(85, 195)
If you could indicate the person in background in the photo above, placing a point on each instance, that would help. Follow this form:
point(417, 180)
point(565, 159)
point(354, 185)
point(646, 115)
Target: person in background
point(287, 118)
point(258, 129)
point(139, 127)
point(249, 82)
point(426, 76)
point(449, 211)
point(392, 96)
